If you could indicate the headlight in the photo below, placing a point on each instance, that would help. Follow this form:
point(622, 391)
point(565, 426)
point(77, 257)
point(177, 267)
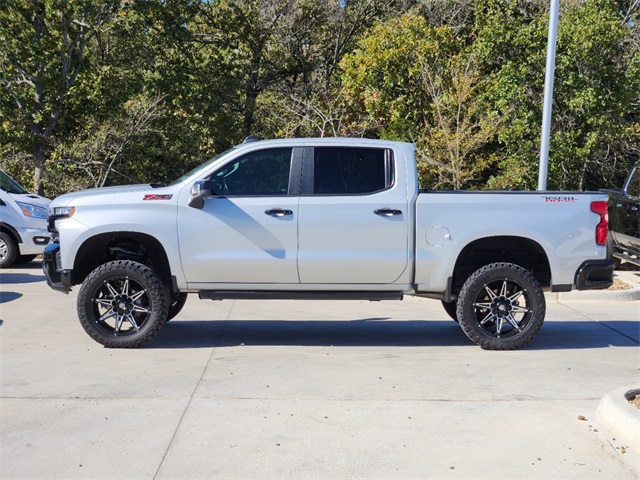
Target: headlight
point(62, 212)
point(33, 210)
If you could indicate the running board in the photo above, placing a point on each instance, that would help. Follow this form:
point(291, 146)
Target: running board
point(287, 295)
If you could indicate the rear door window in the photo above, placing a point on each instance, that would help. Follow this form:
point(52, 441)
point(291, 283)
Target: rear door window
point(350, 171)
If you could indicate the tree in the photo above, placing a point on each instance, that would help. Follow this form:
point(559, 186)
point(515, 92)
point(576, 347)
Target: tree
point(100, 151)
point(596, 84)
point(42, 53)
point(455, 141)
point(413, 82)
point(285, 53)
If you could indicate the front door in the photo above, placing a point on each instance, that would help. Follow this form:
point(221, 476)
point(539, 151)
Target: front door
point(246, 233)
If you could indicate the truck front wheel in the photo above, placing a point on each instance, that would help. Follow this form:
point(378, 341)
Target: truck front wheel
point(122, 304)
point(501, 307)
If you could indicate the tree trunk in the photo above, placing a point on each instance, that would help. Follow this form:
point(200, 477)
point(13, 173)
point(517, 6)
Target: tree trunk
point(252, 89)
point(249, 110)
point(39, 162)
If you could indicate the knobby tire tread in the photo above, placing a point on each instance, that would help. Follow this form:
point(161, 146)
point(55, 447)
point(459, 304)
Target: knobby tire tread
point(152, 283)
point(467, 297)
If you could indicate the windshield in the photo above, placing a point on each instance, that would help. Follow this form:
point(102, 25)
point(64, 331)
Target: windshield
point(9, 185)
point(203, 166)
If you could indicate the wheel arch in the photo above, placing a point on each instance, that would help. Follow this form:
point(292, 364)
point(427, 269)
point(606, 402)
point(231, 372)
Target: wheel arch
point(521, 251)
point(6, 228)
point(124, 245)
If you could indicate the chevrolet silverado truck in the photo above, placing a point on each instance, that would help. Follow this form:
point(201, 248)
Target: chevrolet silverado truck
point(624, 208)
point(337, 219)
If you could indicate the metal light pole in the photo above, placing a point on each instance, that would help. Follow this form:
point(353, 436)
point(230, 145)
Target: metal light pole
point(548, 94)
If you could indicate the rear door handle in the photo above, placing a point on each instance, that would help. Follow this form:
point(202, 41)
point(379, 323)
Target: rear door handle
point(278, 212)
point(387, 212)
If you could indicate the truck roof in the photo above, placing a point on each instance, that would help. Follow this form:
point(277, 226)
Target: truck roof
point(324, 141)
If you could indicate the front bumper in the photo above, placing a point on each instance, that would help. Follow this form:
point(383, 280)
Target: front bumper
point(57, 278)
point(33, 240)
point(594, 275)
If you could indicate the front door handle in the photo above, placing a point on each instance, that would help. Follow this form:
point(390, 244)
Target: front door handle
point(278, 212)
point(387, 212)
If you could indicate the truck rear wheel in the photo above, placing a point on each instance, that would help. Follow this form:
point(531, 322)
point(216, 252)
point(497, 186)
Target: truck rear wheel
point(122, 304)
point(501, 307)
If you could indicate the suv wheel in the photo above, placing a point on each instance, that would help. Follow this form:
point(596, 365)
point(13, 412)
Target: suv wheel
point(8, 250)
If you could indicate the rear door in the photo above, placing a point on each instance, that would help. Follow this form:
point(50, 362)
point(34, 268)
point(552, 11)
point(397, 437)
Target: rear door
point(353, 220)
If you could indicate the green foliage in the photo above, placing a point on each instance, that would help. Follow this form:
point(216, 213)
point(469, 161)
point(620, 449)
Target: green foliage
point(102, 92)
point(414, 82)
point(594, 91)
point(383, 82)
point(42, 45)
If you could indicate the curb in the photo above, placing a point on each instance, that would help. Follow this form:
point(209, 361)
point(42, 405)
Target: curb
point(594, 296)
point(630, 277)
point(620, 416)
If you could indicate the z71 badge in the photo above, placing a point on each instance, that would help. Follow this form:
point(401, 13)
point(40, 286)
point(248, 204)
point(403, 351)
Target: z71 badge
point(153, 196)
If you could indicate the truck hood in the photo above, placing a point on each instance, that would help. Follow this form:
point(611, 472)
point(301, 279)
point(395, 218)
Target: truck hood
point(66, 199)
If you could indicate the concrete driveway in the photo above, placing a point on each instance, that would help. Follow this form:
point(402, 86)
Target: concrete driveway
point(280, 389)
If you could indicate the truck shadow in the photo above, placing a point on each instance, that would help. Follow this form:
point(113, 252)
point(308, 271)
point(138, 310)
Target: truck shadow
point(380, 332)
point(363, 332)
point(6, 297)
point(20, 278)
point(21, 273)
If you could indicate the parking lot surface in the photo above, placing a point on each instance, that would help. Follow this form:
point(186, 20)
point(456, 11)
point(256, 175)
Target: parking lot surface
point(283, 389)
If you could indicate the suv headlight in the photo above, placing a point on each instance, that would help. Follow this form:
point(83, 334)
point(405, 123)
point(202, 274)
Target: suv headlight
point(34, 211)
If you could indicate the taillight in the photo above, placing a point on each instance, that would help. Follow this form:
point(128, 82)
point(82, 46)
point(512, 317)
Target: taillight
point(602, 229)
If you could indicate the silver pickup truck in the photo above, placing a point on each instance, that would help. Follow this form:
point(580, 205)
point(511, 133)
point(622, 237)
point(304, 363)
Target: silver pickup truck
point(338, 219)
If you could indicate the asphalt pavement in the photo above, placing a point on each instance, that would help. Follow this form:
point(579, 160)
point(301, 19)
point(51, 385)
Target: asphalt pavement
point(313, 390)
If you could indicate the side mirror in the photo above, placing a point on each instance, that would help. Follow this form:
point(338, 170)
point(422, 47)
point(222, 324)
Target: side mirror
point(199, 191)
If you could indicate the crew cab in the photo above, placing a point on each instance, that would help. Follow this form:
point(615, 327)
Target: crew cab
point(329, 218)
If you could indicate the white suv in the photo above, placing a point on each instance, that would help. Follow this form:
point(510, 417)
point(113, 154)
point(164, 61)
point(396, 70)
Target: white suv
point(23, 223)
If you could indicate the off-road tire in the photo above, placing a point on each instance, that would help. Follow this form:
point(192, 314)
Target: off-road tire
point(8, 250)
point(118, 294)
point(501, 307)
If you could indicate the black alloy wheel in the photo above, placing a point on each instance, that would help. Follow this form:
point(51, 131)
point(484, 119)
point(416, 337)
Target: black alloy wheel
point(122, 304)
point(501, 307)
